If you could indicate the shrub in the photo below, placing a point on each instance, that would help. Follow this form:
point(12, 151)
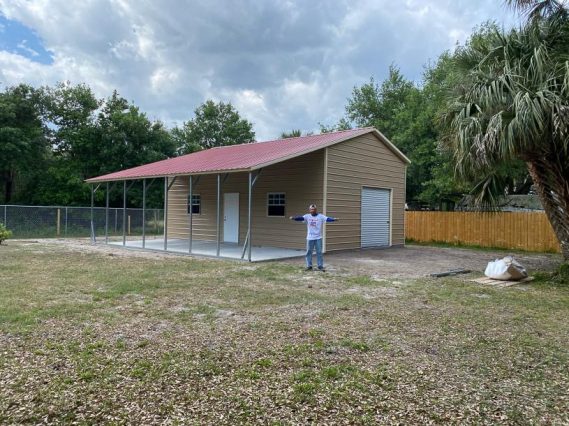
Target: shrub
point(4, 233)
point(561, 276)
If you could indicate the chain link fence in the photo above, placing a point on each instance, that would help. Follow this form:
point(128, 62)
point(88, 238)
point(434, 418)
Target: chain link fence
point(62, 222)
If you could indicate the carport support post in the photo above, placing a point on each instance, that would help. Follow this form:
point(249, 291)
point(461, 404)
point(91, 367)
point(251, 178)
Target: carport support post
point(124, 213)
point(106, 215)
point(191, 202)
point(165, 213)
point(250, 202)
point(218, 213)
point(92, 213)
point(143, 213)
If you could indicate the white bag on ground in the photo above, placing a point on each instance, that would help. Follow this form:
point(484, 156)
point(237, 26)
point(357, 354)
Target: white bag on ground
point(506, 269)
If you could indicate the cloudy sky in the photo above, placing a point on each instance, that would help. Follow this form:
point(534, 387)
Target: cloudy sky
point(283, 63)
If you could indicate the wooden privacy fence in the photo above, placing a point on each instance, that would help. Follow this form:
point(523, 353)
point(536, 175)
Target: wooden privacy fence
point(513, 230)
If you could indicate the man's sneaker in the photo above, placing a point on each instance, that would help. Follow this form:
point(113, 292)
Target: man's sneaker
point(321, 269)
point(308, 268)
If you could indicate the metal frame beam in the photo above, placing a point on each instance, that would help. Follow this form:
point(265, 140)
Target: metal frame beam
point(191, 212)
point(108, 190)
point(256, 176)
point(143, 213)
point(249, 209)
point(124, 190)
point(247, 245)
point(218, 219)
point(93, 240)
point(107, 214)
point(150, 184)
point(166, 187)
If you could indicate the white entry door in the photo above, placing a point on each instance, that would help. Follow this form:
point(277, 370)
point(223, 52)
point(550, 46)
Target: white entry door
point(375, 217)
point(231, 217)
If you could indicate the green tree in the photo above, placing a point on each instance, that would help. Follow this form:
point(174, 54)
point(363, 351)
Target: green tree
point(183, 140)
point(91, 137)
point(380, 105)
point(124, 138)
point(295, 133)
point(72, 116)
point(23, 142)
point(342, 124)
point(405, 114)
point(71, 120)
point(511, 104)
point(214, 125)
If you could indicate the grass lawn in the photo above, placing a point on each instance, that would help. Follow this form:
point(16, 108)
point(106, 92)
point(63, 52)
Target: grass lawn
point(94, 338)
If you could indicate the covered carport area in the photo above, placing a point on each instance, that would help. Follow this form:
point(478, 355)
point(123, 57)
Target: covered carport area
point(209, 249)
point(191, 245)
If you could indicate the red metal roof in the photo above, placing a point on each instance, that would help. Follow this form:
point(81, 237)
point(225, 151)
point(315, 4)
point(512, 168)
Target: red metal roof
point(244, 157)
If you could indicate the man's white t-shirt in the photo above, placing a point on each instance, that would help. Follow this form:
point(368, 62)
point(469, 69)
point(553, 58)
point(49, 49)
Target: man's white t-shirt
point(314, 225)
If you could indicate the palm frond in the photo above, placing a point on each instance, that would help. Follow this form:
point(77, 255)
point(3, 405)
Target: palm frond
point(532, 9)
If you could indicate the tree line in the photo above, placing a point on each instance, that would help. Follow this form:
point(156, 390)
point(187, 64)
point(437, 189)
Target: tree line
point(53, 138)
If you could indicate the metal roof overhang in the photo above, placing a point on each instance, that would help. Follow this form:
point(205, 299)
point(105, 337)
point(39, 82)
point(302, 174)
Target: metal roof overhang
point(209, 172)
point(374, 131)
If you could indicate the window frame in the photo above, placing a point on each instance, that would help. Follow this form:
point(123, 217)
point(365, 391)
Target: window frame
point(191, 205)
point(278, 205)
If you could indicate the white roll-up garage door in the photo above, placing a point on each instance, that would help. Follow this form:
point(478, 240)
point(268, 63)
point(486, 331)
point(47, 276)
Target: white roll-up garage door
point(375, 217)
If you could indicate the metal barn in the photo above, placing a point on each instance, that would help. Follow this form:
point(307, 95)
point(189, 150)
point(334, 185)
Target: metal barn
point(235, 201)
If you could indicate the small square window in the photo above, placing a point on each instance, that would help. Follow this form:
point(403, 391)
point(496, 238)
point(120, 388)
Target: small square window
point(196, 204)
point(276, 204)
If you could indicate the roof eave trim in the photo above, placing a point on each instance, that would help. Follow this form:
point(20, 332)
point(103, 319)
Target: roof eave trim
point(391, 146)
point(211, 172)
point(377, 133)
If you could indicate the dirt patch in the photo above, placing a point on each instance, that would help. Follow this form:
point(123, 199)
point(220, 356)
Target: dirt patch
point(410, 261)
point(419, 261)
point(84, 245)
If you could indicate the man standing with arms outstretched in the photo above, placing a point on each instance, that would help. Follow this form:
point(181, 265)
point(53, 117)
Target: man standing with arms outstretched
point(314, 222)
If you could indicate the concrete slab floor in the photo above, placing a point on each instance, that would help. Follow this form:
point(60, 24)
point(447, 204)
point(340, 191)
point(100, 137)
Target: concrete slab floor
point(209, 249)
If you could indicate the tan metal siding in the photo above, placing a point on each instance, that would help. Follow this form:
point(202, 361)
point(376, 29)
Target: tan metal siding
point(300, 178)
point(203, 223)
point(358, 162)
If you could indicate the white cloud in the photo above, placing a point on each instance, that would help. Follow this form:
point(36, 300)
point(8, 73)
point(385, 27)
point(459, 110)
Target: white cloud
point(164, 80)
point(23, 46)
point(283, 64)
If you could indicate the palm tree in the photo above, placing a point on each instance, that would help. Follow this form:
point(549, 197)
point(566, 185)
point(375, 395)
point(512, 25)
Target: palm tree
point(510, 102)
point(537, 8)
